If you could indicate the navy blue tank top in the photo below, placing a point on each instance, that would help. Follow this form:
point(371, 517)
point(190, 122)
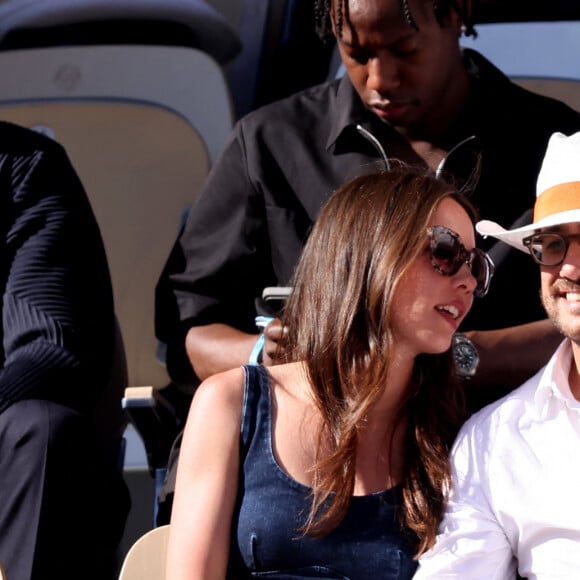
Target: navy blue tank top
point(271, 506)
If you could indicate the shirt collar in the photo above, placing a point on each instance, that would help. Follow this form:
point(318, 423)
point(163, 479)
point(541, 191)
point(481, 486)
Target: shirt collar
point(478, 67)
point(554, 383)
point(348, 111)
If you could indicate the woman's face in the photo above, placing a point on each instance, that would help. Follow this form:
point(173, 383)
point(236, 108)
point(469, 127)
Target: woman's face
point(428, 306)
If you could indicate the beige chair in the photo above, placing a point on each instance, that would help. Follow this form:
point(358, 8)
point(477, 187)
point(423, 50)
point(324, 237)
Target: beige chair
point(145, 560)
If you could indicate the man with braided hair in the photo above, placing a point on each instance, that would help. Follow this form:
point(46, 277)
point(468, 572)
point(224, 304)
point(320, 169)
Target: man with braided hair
point(411, 87)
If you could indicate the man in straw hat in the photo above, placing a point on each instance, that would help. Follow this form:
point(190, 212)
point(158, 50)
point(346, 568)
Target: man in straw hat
point(517, 475)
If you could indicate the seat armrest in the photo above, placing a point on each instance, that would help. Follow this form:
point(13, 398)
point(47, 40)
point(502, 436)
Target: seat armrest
point(155, 420)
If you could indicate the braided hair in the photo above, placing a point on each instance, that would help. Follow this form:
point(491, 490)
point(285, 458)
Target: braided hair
point(441, 9)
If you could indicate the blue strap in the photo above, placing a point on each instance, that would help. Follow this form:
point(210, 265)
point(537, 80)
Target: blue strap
point(256, 354)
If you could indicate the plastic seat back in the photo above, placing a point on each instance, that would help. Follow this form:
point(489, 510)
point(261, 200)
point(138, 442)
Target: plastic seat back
point(146, 558)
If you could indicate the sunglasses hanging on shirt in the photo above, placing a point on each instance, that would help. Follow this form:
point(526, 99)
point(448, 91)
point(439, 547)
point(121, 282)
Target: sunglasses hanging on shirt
point(375, 143)
point(459, 167)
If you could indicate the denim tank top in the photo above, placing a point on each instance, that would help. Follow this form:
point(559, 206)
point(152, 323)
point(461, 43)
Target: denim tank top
point(271, 506)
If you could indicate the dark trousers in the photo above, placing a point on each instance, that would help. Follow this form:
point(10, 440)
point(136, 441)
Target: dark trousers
point(63, 501)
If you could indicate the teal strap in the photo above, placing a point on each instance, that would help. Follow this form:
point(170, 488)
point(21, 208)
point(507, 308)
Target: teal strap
point(256, 354)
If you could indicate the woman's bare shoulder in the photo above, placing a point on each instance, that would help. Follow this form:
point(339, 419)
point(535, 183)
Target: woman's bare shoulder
point(223, 390)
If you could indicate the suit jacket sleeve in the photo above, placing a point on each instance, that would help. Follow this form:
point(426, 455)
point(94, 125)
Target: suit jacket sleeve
point(57, 305)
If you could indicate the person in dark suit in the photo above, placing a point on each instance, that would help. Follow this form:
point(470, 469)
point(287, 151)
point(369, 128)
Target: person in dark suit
point(63, 501)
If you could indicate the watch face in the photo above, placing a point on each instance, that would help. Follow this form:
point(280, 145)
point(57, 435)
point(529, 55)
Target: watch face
point(465, 356)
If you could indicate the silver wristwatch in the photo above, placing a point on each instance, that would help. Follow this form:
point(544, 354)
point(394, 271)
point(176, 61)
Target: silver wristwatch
point(465, 355)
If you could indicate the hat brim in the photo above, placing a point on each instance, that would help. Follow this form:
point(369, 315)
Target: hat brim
point(514, 237)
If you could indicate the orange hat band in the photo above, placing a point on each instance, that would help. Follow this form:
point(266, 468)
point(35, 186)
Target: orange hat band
point(557, 199)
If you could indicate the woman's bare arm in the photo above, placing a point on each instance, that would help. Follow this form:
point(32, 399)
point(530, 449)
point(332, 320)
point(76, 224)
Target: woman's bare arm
point(207, 480)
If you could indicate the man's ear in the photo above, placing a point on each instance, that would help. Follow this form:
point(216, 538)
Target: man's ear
point(456, 22)
point(464, 12)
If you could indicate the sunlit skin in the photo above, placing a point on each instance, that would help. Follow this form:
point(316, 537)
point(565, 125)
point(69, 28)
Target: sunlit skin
point(561, 288)
point(430, 308)
point(412, 79)
point(561, 297)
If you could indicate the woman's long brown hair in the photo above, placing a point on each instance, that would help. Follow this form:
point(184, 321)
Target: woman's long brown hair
point(339, 318)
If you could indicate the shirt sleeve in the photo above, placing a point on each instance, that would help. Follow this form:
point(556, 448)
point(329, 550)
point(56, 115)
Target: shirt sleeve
point(221, 261)
point(225, 244)
point(57, 305)
point(471, 544)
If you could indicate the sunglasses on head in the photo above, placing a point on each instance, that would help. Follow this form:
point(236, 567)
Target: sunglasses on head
point(448, 254)
point(548, 248)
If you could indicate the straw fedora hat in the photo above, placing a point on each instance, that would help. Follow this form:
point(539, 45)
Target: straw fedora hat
point(557, 193)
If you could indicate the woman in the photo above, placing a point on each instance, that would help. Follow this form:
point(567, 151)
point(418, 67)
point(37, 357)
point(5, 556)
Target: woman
point(341, 467)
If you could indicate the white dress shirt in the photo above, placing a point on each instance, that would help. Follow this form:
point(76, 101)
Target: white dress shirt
point(515, 504)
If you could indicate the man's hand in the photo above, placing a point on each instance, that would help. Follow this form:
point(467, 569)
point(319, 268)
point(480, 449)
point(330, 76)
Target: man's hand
point(274, 346)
